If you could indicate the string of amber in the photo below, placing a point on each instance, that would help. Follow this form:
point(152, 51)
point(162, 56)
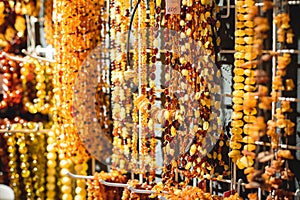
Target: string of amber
point(36, 77)
point(12, 87)
point(120, 94)
point(67, 182)
point(36, 151)
point(51, 166)
point(48, 23)
point(13, 165)
point(198, 30)
point(77, 31)
point(26, 173)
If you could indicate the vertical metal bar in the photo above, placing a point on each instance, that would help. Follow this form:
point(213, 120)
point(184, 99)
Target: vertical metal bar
point(234, 177)
point(274, 50)
point(210, 186)
point(259, 193)
point(194, 182)
point(93, 165)
point(140, 88)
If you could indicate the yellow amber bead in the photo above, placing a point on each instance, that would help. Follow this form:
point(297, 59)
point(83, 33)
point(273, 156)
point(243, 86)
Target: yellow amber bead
point(238, 86)
point(238, 71)
point(237, 123)
point(237, 130)
point(237, 100)
point(236, 115)
point(237, 107)
point(249, 118)
point(238, 93)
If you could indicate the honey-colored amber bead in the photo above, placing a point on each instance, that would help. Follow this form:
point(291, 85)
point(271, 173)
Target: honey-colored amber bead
point(249, 118)
point(238, 71)
point(237, 100)
point(236, 115)
point(250, 81)
point(238, 86)
point(237, 130)
point(237, 107)
point(237, 123)
point(238, 79)
point(235, 145)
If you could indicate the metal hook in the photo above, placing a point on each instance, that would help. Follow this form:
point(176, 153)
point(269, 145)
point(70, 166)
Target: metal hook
point(240, 182)
point(141, 191)
point(113, 184)
point(228, 10)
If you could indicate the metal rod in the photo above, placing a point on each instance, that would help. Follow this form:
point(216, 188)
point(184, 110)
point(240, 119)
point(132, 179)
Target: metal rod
point(283, 146)
point(291, 51)
point(234, 176)
point(210, 186)
point(14, 58)
point(259, 193)
point(291, 99)
point(297, 194)
point(113, 184)
point(79, 176)
point(37, 57)
point(93, 165)
point(141, 191)
point(25, 131)
point(225, 181)
point(261, 4)
point(274, 37)
point(194, 182)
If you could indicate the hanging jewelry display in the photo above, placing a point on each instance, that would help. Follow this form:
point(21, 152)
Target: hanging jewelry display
point(48, 23)
point(12, 21)
point(4, 160)
point(96, 190)
point(120, 107)
point(13, 164)
point(37, 85)
point(77, 31)
point(11, 83)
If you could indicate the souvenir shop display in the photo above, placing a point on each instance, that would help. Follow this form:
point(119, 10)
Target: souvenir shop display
point(149, 99)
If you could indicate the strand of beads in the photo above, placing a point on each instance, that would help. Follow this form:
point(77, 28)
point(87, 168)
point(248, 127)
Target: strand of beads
point(120, 79)
point(51, 166)
point(14, 176)
point(48, 23)
point(12, 89)
point(78, 30)
point(249, 103)
point(255, 127)
point(82, 28)
point(239, 88)
point(38, 161)
point(280, 128)
point(135, 157)
point(65, 165)
point(24, 164)
point(80, 168)
point(36, 80)
point(151, 143)
point(143, 86)
point(4, 167)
